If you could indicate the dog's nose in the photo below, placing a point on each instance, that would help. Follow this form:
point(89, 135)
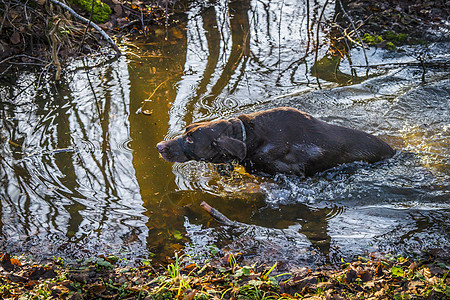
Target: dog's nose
point(160, 146)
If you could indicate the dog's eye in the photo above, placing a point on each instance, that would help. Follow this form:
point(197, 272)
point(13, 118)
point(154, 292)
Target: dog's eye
point(214, 143)
point(189, 140)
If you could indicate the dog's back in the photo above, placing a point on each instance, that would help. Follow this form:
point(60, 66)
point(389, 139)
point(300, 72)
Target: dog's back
point(290, 141)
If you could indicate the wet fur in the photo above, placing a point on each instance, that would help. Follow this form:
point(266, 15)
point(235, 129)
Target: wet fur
point(280, 140)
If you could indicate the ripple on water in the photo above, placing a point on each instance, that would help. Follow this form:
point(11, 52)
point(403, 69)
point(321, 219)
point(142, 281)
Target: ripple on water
point(125, 145)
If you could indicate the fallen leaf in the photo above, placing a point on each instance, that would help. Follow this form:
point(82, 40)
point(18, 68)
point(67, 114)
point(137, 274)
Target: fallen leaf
point(16, 262)
point(97, 289)
point(5, 262)
point(15, 38)
point(189, 294)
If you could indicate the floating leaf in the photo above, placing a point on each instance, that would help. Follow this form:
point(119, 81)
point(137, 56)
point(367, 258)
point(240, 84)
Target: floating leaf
point(177, 235)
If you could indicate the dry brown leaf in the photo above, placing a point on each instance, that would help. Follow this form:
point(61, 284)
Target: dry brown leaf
point(97, 289)
point(15, 38)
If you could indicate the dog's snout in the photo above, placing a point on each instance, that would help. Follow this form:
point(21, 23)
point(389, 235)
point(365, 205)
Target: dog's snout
point(160, 146)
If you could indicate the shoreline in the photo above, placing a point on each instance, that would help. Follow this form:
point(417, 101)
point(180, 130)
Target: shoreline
point(108, 277)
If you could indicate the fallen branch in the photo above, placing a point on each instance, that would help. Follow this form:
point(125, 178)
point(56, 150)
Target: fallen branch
point(96, 27)
point(430, 64)
point(218, 215)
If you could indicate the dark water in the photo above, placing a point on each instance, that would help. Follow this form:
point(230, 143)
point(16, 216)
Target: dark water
point(80, 174)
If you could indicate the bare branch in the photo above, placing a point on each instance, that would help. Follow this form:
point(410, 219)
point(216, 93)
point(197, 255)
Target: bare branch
point(218, 215)
point(86, 21)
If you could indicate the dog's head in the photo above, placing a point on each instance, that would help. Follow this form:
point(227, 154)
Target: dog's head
point(216, 142)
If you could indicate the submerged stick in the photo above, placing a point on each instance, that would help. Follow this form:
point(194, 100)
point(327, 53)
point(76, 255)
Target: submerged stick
point(217, 214)
point(86, 21)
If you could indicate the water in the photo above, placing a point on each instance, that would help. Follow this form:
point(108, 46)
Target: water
point(80, 174)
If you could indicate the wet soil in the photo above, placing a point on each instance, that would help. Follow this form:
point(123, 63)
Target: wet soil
point(417, 19)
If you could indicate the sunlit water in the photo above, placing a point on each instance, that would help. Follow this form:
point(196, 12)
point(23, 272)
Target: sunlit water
point(80, 174)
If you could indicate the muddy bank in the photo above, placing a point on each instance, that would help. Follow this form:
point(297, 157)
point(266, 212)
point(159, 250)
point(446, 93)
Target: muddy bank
point(47, 34)
point(372, 277)
point(426, 20)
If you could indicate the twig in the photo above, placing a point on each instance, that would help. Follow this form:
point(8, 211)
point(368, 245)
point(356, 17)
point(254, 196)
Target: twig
point(6, 70)
point(6, 13)
point(87, 26)
point(22, 55)
point(55, 51)
point(150, 97)
point(357, 34)
point(86, 21)
point(218, 215)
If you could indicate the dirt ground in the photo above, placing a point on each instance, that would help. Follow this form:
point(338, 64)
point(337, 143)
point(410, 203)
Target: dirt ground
point(373, 277)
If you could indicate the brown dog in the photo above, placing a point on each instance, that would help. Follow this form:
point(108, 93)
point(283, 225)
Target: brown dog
point(280, 140)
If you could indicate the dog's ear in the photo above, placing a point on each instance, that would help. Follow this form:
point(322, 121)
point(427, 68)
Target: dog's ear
point(232, 147)
point(192, 126)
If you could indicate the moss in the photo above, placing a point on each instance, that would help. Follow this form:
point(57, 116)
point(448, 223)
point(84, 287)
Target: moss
point(372, 40)
point(391, 40)
point(397, 39)
point(390, 46)
point(101, 12)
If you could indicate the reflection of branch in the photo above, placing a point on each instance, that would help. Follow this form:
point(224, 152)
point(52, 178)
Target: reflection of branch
point(150, 97)
point(279, 37)
point(94, 94)
point(317, 39)
point(87, 27)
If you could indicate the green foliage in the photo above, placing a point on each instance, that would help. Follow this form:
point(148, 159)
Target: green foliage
point(391, 40)
point(265, 276)
point(213, 250)
point(390, 46)
point(147, 262)
point(397, 39)
point(103, 264)
point(174, 269)
point(397, 272)
point(113, 259)
point(177, 235)
point(244, 271)
point(372, 40)
point(101, 12)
